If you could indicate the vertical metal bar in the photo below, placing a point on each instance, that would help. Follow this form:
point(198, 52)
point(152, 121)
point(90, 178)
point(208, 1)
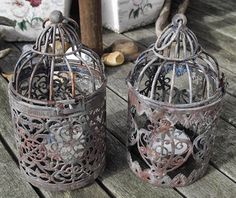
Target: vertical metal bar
point(190, 84)
point(52, 64)
point(72, 77)
point(33, 75)
point(155, 80)
point(143, 70)
point(172, 83)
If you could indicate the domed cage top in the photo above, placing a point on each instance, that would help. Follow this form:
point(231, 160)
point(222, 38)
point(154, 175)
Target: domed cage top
point(58, 99)
point(174, 100)
point(176, 70)
point(58, 67)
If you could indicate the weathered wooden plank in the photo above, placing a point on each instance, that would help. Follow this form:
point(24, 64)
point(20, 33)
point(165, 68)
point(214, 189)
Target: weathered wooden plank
point(227, 7)
point(224, 159)
point(143, 35)
point(205, 30)
point(224, 156)
point(117, 116)
point(118, 77)
point(229, 109)
point(108, 37)
point(11, 183)
point(7, 132)
point(93, 190)
point(218, 19)
point(214, 184)
point(121, 181)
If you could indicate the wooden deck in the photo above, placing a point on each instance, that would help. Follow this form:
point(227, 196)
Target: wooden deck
point(214, 22)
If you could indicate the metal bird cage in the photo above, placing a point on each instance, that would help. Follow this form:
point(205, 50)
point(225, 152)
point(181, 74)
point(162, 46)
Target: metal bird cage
point(175, 93)
point(57, 99)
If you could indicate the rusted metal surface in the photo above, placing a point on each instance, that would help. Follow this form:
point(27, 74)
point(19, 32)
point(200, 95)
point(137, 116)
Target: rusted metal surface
point(58, 101)
point(175, 94)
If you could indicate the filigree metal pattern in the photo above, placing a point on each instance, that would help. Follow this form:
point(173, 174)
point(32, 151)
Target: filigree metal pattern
point(174, 103)
point(60, 151)
point(169, 141)
point(58, 101)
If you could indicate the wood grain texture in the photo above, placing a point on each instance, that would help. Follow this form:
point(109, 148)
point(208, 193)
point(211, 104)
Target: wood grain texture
point(11, 183)
point(213, 185)
point(94, 191)
point(91, 24)
point(117, 115)
point(224, 155)
point(217, 19)
point(219, 8)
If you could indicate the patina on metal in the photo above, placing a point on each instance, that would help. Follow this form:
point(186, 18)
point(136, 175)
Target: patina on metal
point(175, 93)
point(57, 99)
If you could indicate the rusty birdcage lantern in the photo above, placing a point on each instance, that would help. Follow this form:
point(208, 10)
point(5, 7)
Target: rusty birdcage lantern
point(175, 93)
point(57, 99)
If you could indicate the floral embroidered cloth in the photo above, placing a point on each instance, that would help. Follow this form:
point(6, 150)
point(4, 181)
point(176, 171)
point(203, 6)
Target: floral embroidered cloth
point(29, 15)
point(123, 15)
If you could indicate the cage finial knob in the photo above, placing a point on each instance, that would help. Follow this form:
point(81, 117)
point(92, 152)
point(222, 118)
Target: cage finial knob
point(56, 16)
point(179, 18)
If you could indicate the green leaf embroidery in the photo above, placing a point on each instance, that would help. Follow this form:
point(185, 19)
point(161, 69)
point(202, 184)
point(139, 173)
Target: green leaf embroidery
point(141, 10)
point(22, 25)
point(130, 13)
point(36, 19)
point(148, 5)
point(136, 13)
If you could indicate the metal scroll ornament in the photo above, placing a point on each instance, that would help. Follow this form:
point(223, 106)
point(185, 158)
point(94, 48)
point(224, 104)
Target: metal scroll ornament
point(175, 93)
point(57, 99)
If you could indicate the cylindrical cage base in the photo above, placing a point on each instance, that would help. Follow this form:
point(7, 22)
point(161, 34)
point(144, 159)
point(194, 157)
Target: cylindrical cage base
point(168, 146)
point(175, 93)
point(60, 148)
point(58, 99)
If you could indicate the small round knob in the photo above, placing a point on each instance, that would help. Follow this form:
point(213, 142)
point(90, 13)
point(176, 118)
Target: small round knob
point(179, 18)
point(56, 16)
